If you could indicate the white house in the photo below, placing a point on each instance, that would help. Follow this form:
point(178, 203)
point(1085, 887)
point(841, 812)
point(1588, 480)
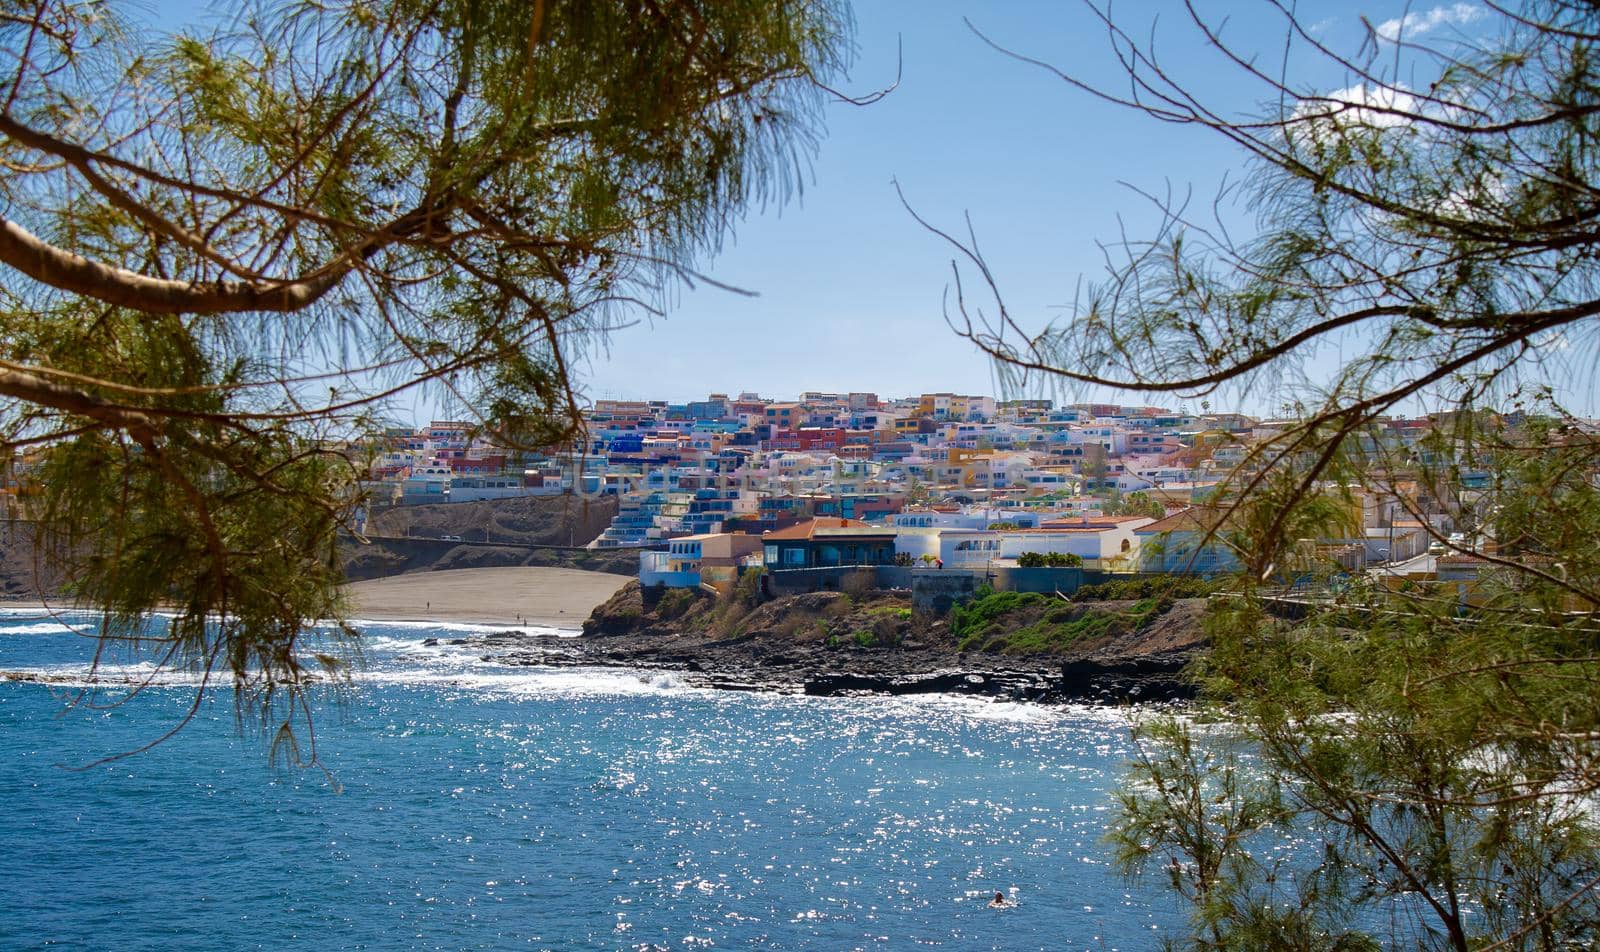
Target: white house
point(955, 547)
point(1098, 538)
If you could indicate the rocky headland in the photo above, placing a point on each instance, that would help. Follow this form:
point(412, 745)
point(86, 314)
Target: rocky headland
point(1004, 645)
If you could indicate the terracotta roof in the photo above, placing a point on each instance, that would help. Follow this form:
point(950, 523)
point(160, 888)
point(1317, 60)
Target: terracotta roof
point(1098, 523)
point(804, 530)
point(1193, 519)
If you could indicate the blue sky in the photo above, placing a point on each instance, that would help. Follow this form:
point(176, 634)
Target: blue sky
point(850, 287)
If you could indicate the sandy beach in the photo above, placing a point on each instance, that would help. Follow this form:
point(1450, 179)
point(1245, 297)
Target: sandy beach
point(557, 597)
point(554, 597)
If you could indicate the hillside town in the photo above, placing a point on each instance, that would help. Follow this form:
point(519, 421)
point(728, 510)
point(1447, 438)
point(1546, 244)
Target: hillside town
point(956, 482)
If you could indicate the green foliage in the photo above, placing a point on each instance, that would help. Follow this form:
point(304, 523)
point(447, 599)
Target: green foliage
point(1195, 808)
point(747, 590)
point(1151, 586)
point(1137, 503)
point(675, 602)
point(980, 613)
point(296, 218)
point(1027, 623)
point(1003, 526)
point(1055, 560)
point(865, 639)
point(1435, 222)
point(1452, 719)
point(229, 526)
point(1045, 637)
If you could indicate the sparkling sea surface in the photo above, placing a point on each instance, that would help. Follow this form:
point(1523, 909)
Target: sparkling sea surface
point(486, 807)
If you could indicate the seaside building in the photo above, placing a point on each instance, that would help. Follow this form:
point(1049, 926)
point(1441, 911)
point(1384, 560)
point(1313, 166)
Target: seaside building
point(856, 478)
point(826, 542)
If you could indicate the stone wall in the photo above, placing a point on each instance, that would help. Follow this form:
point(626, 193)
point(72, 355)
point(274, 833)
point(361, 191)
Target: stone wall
point(834, 579)
point(936, 591)
point(1063, 580)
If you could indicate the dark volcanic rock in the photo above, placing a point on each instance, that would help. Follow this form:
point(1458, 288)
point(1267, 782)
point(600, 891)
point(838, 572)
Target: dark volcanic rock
point(829, 644)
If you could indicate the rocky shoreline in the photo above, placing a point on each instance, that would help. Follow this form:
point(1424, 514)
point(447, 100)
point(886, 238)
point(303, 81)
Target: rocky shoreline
point(909, 672)
point(832, 644)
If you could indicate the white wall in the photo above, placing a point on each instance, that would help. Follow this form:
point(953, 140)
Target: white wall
point(1085, 545)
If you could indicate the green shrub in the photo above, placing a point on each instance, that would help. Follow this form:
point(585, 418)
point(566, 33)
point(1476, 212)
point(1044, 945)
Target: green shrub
point(1046, 638)
point(674, 602)
point(1054, 560)
point(1029, 623)
point(985, 608)
point(1157, 586)
point(747, 590)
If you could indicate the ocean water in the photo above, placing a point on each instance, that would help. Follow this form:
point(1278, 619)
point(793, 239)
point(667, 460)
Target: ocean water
point(480, 806)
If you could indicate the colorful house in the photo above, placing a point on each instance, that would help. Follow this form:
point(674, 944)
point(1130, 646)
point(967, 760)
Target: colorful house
point(828, 542)
point(712, 559)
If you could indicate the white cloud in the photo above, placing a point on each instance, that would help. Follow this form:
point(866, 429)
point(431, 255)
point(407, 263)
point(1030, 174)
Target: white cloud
point(1413, 25)
point(1366, 100)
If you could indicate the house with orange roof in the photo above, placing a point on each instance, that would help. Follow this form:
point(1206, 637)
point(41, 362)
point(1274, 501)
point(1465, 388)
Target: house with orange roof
point(828, 542)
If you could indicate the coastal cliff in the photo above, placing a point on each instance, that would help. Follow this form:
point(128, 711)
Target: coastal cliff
point(529, 531)
point(1006, 644)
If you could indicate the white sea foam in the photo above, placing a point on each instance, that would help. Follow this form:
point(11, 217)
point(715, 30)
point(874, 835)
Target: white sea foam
point(532, 682)
point(108, 676)
point(413, 647)
point(45, 627)
point(39, 611)
point(79, 616)
point(544, 631)
point(975, 708)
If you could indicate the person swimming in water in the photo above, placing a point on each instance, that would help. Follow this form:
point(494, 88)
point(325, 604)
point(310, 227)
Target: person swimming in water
point(999, 901)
